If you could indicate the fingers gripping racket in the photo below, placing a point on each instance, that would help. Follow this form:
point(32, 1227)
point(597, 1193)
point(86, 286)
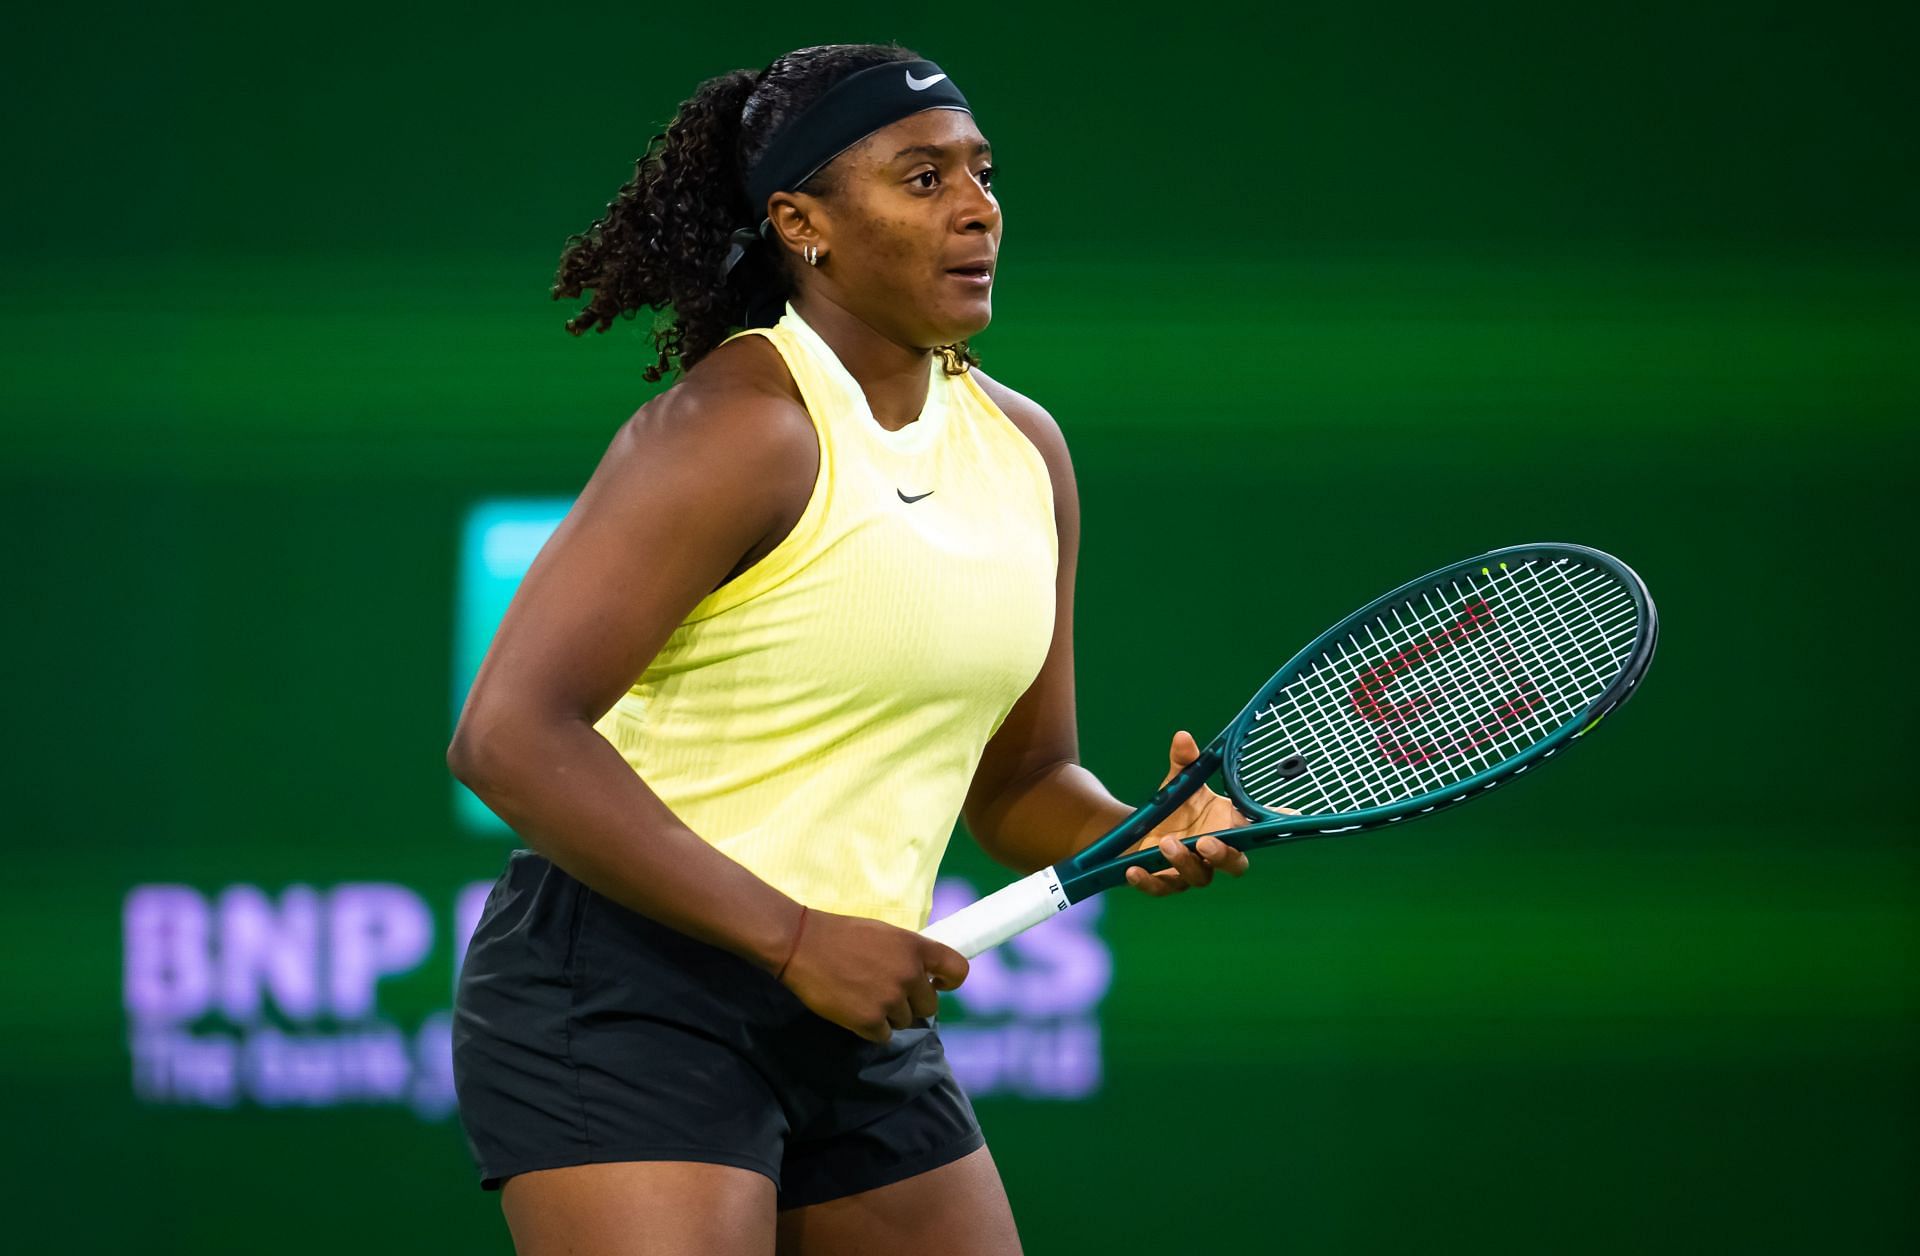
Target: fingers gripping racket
point(1428, 696)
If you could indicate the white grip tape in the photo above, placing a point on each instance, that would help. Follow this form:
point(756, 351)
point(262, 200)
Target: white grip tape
point(1012, 909)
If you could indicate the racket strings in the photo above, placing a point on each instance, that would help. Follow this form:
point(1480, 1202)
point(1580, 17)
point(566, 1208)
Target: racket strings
point(1441, 687)
point(1380, 768)
point(1373, 762)
point(1381, 765)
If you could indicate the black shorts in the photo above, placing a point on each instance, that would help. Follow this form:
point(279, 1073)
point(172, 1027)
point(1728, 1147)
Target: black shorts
point(584, 1032)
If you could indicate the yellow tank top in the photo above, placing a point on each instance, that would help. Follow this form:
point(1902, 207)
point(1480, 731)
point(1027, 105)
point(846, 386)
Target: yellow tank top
point(819, 717)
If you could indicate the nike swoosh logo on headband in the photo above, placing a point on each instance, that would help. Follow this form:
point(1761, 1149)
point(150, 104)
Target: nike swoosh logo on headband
point(921, 85)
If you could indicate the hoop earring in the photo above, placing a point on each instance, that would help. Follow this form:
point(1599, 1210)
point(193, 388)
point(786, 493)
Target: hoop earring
point(813, 255)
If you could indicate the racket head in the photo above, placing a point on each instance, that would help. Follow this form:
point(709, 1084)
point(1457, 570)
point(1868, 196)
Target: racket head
point(1443, 688)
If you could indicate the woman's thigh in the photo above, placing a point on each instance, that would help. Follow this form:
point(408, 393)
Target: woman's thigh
point(958, 1209)
point(640, 1208)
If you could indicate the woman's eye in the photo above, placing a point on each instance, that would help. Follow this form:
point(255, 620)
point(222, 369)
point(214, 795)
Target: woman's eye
point(985, 176)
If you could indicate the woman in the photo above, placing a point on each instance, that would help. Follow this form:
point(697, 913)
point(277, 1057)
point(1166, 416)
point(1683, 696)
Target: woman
point(696, 1015)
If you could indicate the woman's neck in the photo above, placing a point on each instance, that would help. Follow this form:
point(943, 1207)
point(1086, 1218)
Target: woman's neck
point(893, 376)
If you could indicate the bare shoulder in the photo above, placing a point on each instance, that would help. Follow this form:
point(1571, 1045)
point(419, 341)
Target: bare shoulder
point(737, 406)
point(1033, 420)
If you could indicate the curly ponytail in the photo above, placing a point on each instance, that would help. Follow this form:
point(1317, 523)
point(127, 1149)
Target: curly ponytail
point(666, 232)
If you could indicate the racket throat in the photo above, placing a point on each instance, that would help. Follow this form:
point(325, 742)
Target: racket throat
point(1157, 808)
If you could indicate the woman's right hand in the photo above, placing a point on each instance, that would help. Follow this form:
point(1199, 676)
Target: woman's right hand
point(869, 976)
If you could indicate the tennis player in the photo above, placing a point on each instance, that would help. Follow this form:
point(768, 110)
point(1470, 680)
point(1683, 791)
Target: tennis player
point(815, 602)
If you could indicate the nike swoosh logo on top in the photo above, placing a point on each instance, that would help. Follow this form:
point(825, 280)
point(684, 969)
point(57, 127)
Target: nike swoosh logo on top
point(921, 85)
point(911, 500)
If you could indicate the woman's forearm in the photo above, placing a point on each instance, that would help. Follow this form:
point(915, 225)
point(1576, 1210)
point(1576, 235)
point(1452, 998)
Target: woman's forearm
point(1043, 819)
point(569, 794)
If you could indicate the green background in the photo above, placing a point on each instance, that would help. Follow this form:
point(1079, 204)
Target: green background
point(1323, 298)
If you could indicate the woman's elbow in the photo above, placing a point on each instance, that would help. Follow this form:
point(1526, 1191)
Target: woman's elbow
point(493, 744)
point(463, 759)
point(475, 753)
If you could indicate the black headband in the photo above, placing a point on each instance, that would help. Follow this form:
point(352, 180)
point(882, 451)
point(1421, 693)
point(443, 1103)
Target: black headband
point(849, 111)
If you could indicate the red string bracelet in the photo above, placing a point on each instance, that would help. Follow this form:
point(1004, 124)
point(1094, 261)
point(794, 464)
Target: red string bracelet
point(795, 948)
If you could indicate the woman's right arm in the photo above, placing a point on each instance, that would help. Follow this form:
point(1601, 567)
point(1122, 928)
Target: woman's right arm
point(690, 486)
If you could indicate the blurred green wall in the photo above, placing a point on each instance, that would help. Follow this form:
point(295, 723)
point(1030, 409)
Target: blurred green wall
point(1323, 298)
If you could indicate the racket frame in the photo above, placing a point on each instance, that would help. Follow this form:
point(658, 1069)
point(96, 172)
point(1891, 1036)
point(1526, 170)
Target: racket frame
point(1097, 866)
point(1102, 864)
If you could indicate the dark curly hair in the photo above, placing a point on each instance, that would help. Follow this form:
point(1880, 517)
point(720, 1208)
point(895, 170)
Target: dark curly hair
point(666, 232)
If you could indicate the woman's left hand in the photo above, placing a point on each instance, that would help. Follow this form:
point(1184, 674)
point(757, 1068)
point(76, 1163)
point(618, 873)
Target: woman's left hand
point(1203, 812)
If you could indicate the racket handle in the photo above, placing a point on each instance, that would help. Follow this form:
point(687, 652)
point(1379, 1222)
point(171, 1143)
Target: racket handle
point(1000, 915)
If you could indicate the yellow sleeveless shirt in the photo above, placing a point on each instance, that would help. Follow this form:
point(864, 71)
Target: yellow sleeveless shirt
point(820, 716)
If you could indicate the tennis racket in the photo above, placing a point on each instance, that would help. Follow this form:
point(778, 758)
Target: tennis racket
point(1428, 696)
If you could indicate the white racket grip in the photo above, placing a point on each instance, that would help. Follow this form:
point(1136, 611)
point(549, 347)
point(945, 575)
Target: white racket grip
point(1000, 915)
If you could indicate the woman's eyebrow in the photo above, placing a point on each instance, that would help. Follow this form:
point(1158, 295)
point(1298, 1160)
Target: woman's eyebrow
point(939, 150)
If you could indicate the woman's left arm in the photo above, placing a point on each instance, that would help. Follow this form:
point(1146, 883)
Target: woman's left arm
point(1031, 803)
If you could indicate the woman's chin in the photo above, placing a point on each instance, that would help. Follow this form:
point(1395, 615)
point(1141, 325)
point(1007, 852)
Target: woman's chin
point(958, 325)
